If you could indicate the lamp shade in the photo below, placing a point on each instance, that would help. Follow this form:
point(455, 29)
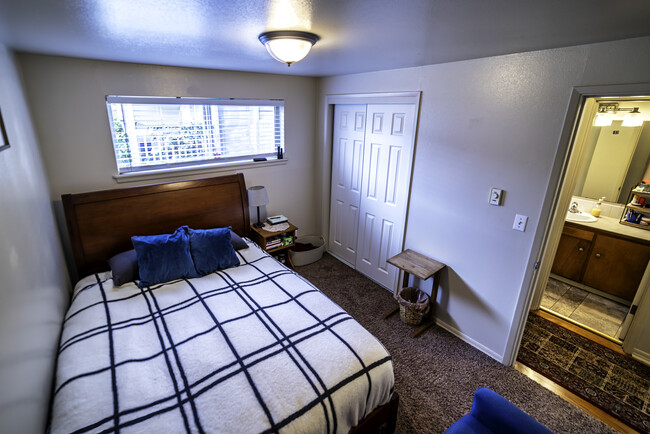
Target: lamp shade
point(288, 46)
point(257, 196)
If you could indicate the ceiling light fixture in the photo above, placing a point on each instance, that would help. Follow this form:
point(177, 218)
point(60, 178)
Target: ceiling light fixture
point(288, 46)
point(606, 112)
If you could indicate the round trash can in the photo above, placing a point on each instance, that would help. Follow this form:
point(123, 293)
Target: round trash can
point(413, 305)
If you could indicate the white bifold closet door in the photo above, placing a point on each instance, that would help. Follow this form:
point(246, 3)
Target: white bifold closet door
point(371, 172)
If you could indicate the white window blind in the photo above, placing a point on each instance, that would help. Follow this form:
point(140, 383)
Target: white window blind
point(151, 133)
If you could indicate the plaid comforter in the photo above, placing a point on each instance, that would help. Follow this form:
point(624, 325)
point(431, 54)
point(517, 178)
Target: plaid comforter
point(254, 348)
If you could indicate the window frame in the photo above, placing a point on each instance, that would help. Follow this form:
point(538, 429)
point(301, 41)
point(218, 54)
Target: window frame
point(222, 163)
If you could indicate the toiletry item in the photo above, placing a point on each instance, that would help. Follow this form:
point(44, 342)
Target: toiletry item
point(596, 210)
point(633, 217)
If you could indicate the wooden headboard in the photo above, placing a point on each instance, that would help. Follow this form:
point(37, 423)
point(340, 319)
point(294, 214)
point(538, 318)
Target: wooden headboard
point(101, 223)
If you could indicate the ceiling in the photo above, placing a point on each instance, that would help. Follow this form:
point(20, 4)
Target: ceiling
point(356, 35)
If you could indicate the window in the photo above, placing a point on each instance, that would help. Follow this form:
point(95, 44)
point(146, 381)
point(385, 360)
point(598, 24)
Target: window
point(152, 133)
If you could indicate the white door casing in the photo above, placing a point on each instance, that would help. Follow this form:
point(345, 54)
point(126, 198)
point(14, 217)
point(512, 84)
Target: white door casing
point(347, 161)
point(386, 178)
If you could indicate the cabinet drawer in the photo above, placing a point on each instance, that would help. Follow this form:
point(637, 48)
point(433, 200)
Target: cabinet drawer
point(578, 233)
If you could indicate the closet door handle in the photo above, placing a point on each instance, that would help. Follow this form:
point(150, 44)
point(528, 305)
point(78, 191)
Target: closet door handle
point(581, 249)
point(598, 255)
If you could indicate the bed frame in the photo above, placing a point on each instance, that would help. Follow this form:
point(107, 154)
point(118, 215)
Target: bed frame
point(101, 224)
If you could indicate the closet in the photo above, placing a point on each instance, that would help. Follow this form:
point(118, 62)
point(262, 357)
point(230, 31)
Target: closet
point(372, 156)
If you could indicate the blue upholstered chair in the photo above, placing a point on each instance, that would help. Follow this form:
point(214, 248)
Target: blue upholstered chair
point(492, 413)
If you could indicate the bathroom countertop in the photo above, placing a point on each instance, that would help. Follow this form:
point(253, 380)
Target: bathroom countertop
point(610, 224)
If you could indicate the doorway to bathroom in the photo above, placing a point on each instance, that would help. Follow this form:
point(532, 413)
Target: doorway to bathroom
point(594, 267)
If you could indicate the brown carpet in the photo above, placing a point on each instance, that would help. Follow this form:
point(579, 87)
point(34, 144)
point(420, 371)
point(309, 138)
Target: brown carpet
point(436, 374)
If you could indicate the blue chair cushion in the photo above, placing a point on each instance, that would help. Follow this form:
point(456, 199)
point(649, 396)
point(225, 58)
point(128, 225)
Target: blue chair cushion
point(492, 413)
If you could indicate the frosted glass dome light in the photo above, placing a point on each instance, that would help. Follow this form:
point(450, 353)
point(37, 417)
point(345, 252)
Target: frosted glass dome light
point(288, 46)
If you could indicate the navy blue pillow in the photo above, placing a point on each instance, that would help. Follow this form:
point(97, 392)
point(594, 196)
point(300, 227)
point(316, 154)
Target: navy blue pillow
point(124, 267)
point(237, 242)
point(162, 258)
point(212, 250)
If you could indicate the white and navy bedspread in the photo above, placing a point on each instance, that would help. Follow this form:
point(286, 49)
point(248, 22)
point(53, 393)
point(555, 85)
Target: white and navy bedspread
point(254, 348)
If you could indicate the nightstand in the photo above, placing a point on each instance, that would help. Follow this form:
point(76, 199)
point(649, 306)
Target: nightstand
point(267, 240)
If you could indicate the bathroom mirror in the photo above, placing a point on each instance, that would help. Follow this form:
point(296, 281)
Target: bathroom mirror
point(616, 158)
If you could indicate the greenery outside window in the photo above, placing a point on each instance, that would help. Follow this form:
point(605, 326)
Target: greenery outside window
point(151, 133)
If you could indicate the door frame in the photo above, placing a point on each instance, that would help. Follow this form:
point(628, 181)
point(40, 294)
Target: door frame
point(556, 201)
point(407, 97)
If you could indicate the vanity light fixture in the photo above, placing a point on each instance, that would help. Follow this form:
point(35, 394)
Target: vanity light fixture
point(606, 112)
point(633, 119)
point(603, 119)
point(288, 46)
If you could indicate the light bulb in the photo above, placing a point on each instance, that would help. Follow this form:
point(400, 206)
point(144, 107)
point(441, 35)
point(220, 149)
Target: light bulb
point(633, 119)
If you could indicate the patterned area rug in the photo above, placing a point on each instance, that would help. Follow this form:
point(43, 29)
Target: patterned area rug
point(616, 384)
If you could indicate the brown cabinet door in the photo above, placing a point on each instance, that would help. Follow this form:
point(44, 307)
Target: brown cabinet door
point(616, 266)
point(571, 257)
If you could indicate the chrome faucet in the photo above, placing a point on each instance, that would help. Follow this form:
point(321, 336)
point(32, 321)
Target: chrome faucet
point(574, 208)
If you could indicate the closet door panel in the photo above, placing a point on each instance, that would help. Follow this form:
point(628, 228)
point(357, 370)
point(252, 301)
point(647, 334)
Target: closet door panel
point(385, 188)
point(347, 159)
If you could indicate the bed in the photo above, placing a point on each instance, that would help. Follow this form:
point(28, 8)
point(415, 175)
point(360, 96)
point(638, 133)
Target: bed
point(249, 348)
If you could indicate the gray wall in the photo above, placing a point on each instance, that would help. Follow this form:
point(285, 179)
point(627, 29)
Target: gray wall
point(67, 97)
point(33, 283)
point(492, 122)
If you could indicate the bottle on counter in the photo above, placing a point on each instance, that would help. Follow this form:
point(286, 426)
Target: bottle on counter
point(596, 210)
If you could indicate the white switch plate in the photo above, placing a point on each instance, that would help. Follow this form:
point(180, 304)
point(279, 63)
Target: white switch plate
point(495, 196)
point(520, 222)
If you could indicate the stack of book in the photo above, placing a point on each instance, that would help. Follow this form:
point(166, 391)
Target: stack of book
point(272, 244)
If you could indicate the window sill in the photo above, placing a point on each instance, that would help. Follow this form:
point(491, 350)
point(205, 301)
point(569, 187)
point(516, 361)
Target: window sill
point(196, 170)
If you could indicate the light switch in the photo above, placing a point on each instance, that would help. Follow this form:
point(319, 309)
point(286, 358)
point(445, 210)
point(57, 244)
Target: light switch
point(520, 222)
point(495, 196)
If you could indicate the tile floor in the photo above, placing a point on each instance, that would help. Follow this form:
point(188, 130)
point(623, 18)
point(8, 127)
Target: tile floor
point(591, 310)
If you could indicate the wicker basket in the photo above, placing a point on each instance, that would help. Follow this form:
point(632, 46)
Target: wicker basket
point(409, 316)
point(413, 305)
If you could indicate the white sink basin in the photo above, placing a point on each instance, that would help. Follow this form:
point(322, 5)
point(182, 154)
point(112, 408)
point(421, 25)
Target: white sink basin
point(580, 217)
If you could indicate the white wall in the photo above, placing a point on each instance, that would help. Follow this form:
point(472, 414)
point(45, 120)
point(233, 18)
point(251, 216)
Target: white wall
point(33, 283)
point(67, 97)
point(492, 122)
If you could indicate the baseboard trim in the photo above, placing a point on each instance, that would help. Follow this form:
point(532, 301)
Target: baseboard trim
point(338, 258)
point(641, 356)
point(463, 337)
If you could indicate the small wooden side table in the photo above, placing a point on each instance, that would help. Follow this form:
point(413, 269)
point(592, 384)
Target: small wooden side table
point(421, 267)
point(262, 237)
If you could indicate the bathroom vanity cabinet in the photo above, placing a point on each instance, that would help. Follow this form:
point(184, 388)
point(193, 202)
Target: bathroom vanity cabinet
point(572, 253)
point(602, 260)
